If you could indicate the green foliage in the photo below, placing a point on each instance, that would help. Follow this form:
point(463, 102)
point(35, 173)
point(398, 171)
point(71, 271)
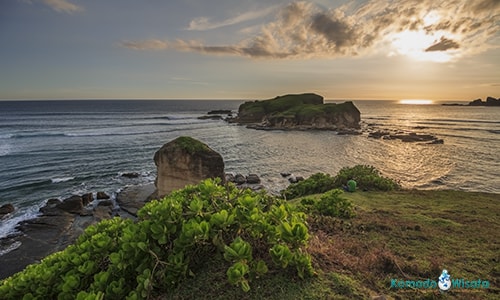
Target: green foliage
point(367, 178)
point(191, 145)
point(330, 204)
point(120, 259)
point(315, 184)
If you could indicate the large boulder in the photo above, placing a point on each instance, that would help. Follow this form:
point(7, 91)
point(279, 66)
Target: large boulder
point(185, 161)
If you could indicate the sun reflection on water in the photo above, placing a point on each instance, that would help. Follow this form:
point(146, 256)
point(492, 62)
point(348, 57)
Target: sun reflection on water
point(416, 101)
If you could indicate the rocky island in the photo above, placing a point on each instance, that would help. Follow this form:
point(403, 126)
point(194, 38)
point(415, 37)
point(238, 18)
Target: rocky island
point(298, 112)
point(490, 101)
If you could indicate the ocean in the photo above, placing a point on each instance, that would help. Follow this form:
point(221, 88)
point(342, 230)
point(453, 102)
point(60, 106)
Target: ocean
point(54, 149)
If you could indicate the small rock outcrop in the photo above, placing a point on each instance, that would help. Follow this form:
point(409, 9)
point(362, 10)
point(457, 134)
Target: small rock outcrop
point(490, 101)
point(184, 161)
point(299, 112)
point(6, 209)
point(73, 204)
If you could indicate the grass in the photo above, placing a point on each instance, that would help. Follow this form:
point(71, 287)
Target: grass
point(404, 235)
point(191, 145)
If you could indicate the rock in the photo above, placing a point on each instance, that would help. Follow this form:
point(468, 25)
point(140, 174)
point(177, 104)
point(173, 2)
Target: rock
point(292, 179)
point(102, 213)
point(239, 179)
point(229, 177)
point(299, 178)
point(131, 175)
point(102, 195)
point(105, 203)
point(477, 102)
point(87, 198)
point(220, 112)
point(73, 204)
point(50, 208)
point(6, 209)
point(378, 134)
point(185, 161)
point(490, 101)
point(210, 117)
point(437, 141)
point(253, 179)
point(133, 198)
point(285, 174)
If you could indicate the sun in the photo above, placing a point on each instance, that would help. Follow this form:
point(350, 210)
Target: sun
point(413, 43)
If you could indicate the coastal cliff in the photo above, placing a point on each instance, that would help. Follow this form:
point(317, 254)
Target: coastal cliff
point(298, 112)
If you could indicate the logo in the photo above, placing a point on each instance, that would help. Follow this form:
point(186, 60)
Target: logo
point(444, 282)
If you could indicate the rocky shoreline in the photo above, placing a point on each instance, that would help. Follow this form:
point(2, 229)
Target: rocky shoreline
point(61, 222)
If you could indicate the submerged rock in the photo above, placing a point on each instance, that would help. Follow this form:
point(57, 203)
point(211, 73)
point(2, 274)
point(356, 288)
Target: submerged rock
point(252, 179)
point(102, 196)
point(6, 209)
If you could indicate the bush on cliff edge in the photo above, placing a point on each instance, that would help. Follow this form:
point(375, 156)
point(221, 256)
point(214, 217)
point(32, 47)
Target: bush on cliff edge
point(367, 178)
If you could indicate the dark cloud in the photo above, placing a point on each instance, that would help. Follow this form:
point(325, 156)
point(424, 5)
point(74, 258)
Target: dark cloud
point(444, 44)
point(334, 30)
point(484, 5)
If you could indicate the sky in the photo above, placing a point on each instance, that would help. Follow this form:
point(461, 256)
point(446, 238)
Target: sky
point(249, 49)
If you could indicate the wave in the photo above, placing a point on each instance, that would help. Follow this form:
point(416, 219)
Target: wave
point(10, 248)
point(173, 118)
point(38, 134)
point(61, 179)
point(463, 121)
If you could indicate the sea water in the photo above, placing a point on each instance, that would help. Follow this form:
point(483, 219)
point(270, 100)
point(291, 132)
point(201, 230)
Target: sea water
point(54, 149)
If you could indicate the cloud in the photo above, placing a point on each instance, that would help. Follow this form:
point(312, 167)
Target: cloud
point(443, 45)
point(303, 30)
point(63, 6)
point(204, 23)
point(151, 44)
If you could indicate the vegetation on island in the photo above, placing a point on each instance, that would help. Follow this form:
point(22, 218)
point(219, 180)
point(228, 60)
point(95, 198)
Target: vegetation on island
point(215, 241)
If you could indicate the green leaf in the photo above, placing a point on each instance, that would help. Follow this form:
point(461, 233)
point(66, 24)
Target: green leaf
point(261, 268)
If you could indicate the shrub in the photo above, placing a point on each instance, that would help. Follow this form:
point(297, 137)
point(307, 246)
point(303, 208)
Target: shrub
point(329, 204)
point(315, 184)
point(120, 259)
point(367, 178)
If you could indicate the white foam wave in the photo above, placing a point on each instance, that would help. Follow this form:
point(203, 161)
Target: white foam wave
point(61, 179)
point(6, 136)
point(10, 248)
point(8, 225)
point(5, 149)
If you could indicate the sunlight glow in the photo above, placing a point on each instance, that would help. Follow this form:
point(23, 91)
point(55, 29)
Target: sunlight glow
point(412, 43)
point(416, 101)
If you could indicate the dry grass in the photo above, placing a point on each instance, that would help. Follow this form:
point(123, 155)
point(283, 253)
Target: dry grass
point(412, 235)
